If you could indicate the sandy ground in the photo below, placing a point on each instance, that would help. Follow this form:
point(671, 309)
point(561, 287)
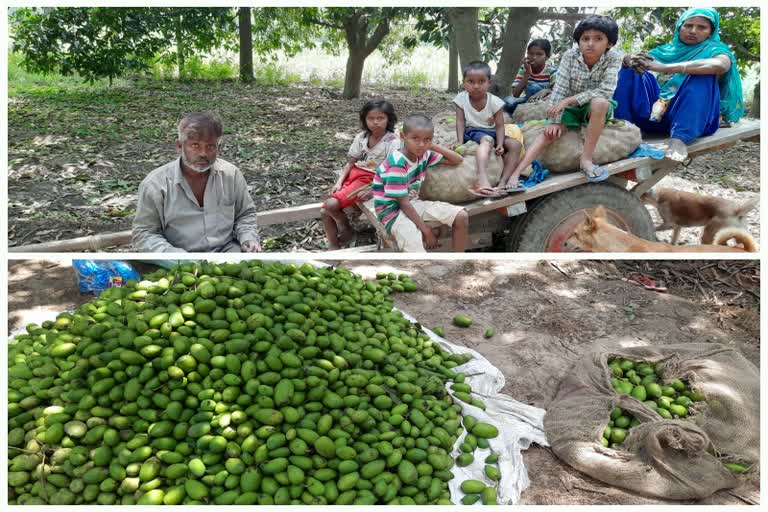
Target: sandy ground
point(545, 317)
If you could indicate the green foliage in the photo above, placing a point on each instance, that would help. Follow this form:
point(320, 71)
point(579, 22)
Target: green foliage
point(413, 80)
point(196, 68)
point(273, 74)
point(288, 30)
point(30, 83)
point(291, 29)
point(559, 32)
point(649, 28)
point(394, 47)
point(215, 69)
point(106, 42)
point(432, 27)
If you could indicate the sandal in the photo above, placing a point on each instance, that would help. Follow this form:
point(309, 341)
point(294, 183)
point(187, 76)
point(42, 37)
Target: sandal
point(594, 178)
point(517, 188)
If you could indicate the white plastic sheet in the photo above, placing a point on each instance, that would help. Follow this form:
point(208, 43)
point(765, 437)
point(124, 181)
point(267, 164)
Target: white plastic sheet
point(519, 425)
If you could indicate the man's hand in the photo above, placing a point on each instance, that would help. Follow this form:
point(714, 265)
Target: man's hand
point(500, 149)
point(553, 131)
point(251, 246)
point(429, 238)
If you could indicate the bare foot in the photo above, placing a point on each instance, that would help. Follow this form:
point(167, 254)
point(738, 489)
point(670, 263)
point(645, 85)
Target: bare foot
point(333, 247)
point(482, 184)
point(586, 164)
point(483, 192)
point(677, 150)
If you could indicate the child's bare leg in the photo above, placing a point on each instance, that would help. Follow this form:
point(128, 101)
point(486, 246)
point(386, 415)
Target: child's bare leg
point(531, 154)
point(481, 158)
point(598, 108)
point(331, 231)
point(512, 150)
point(337, 227)
point(459, 233)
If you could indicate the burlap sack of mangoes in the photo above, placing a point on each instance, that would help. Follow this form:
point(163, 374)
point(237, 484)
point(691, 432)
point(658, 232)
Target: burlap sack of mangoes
point(451, 184)
point(659, 420)
point(251, 383)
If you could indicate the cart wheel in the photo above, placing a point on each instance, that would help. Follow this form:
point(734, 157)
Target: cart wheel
point(552, 220)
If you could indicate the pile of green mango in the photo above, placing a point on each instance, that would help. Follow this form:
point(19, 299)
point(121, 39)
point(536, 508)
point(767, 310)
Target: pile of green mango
point(251, 383)
point(643, 380)
point(395, 283)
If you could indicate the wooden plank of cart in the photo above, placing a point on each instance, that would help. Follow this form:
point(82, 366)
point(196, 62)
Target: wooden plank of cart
point(537, 220)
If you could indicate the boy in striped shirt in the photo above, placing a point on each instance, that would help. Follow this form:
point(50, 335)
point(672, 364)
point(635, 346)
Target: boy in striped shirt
point(396, 189)
point(535, 78)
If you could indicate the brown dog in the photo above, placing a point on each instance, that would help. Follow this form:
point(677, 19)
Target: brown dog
point(680, 209)
point(596, 234)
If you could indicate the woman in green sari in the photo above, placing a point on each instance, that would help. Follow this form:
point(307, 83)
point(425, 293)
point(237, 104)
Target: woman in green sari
point(698, 85)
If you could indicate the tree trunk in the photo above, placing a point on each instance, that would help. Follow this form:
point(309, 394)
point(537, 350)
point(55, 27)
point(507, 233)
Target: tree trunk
point(180, 58)
point(360, 46)
point(463, 22)
point(353, 76)
point(755, 110)
point(246, 44)
point(453, 64)
point(570, 25)
point(517, 31)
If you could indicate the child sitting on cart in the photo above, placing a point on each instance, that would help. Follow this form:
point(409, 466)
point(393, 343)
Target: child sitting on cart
point(583, 93)
point(480, 118)
point(396, 189)
point(369, 148)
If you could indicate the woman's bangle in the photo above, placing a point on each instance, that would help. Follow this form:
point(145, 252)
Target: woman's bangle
point(683, 66)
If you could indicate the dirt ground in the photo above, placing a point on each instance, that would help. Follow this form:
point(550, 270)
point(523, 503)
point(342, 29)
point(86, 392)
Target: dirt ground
point(545, 316)
point(76, 156)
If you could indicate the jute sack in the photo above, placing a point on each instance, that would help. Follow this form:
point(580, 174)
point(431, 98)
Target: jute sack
point(530, 111)
point(618, 140)
point(445, 129)
point(675, 459)
point(452, 184)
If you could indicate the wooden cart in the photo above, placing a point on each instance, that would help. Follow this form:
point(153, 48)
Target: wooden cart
point(543, 217)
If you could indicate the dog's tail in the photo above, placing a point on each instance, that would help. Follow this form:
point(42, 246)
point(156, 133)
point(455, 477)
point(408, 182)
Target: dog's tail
point(741, 236)
point(746, 206)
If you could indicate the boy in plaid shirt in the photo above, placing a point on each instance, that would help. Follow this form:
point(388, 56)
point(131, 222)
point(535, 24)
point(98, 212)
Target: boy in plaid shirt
point(586, 80)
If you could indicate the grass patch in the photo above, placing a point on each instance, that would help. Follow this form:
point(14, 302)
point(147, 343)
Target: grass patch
point(22, 82)
point(273, 74)
point(410, 79)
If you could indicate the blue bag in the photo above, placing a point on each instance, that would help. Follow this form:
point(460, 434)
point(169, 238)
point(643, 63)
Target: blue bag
point(96, 276)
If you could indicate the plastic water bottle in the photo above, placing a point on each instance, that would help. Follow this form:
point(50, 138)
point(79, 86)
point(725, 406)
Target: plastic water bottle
point(658, 109)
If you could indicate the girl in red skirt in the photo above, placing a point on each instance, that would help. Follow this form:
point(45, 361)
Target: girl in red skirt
point(369, 148)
